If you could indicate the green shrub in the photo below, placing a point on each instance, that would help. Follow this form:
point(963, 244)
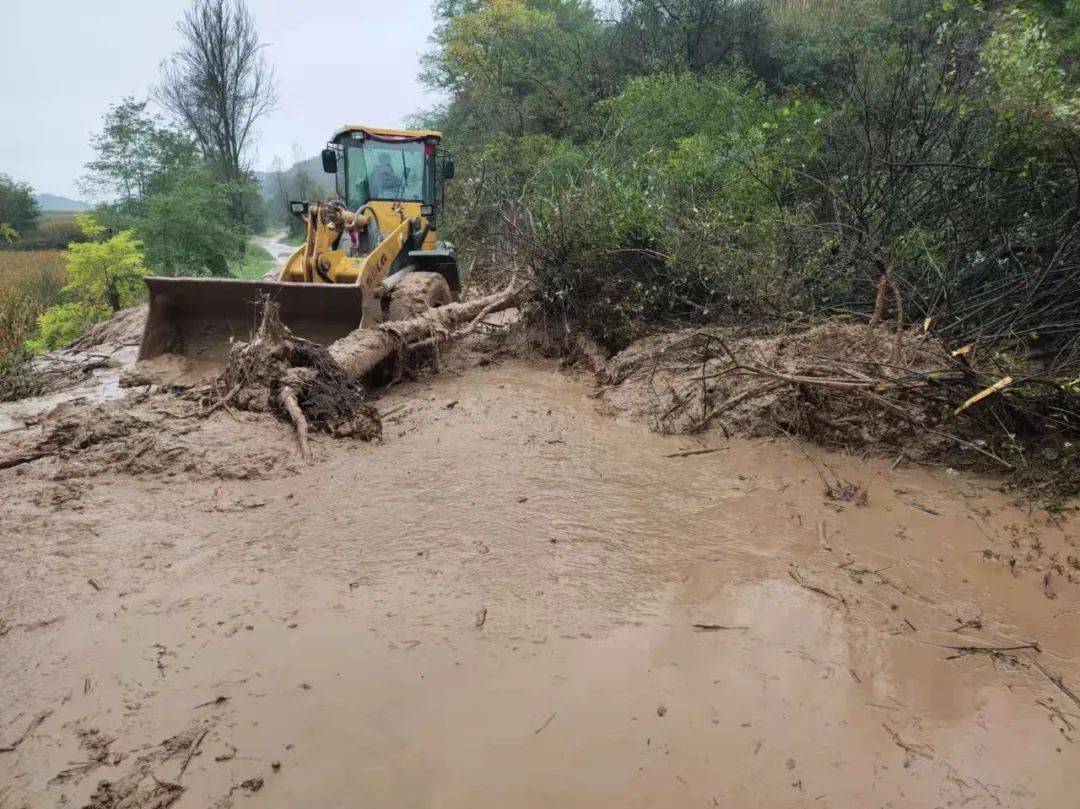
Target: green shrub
point(677, 215)
point(104, 276)
point(65, 323)
point(108, 273)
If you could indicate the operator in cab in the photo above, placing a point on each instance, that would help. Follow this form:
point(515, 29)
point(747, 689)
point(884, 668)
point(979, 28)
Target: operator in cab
point(386, 182)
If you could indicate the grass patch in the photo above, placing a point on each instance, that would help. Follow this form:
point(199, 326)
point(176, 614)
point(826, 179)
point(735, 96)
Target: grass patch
point(257, 260)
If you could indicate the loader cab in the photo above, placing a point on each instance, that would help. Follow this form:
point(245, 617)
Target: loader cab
point(397, 173)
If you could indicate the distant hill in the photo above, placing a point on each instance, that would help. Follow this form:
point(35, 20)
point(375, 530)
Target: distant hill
point(54, 202)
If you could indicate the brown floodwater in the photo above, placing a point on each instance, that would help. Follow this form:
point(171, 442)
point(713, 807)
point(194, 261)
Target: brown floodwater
point(517, 601)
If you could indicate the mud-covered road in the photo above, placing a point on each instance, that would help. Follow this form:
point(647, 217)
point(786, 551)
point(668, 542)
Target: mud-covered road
point(517, 601)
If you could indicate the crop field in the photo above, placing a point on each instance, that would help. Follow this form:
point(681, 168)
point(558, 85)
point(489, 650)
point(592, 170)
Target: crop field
point(30, 282)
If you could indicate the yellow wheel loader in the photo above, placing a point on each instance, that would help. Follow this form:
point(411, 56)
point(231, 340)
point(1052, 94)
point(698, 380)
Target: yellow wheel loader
point(370, 255)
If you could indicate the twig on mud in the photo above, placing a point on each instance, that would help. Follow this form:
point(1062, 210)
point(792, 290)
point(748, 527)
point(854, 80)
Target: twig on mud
point(718, 627)
point(690, 452)
point(548, 722)
point(922, 750)
point(964, 651)
point(933, 512)
point(1056, 711)
point(215, 701)
point(35, 723)
point(191, 752)
point(94, 584)
point(1058, 681)
point(814, 588)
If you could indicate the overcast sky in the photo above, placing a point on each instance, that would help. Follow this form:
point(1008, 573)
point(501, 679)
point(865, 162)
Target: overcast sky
point(65, 61)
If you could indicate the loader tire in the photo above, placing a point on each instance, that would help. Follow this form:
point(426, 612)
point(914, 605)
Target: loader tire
point(416, 293)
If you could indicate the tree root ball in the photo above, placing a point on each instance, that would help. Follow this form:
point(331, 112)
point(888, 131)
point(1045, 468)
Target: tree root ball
point(278, 372)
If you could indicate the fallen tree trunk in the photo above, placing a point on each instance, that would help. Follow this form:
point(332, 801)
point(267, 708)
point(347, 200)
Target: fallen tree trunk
point(359, 352)
point(322, 389)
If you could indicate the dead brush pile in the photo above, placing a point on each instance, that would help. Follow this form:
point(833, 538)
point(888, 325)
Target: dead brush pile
point(277, 372)
point(840, 384)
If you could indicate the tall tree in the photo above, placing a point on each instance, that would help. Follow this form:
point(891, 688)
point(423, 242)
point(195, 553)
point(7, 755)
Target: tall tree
point(218, 85)
point(19, 208)
point(127, 153)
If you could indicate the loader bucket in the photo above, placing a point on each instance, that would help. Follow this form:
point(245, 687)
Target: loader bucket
point(193, 321)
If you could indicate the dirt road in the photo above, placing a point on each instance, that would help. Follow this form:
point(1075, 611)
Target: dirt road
point(275, 246)
point(517, 601)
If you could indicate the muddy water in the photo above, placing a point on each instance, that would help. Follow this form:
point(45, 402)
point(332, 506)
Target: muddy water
point(497, 607)
point(103, 385)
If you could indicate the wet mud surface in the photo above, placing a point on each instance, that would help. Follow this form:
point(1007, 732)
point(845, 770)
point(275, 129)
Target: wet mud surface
point(515, 600)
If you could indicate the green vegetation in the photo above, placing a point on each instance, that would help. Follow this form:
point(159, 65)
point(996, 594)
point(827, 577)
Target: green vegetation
point(255, 264)
point(19, 209)
point(31, 281)
point(104, 275)
point(693, 160)
point(182, 199)
point(165, 192)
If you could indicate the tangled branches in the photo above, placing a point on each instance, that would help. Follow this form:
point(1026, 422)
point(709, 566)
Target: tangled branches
point(295, 378)
point(839, 384)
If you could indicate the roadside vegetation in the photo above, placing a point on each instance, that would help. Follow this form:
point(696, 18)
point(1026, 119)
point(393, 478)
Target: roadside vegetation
point(176, 195)
point(774, 163)
point(255, 263)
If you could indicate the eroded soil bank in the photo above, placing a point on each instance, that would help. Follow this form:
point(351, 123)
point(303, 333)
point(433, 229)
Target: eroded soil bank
point(517, 601)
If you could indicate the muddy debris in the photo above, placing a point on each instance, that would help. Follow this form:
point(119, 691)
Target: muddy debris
point(296, 379)
point(35, 723)
point(95, 745)
point(141, 788)
point(849, 386)
point(841, 384)
point(145, 434)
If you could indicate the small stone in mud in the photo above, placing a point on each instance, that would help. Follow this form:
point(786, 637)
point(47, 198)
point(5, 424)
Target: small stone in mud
point(451, 404)
point(305, 686)
point(253, 784)
point(523, 499)
point(661, 711)
point(275, 765)
point(292, 626)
